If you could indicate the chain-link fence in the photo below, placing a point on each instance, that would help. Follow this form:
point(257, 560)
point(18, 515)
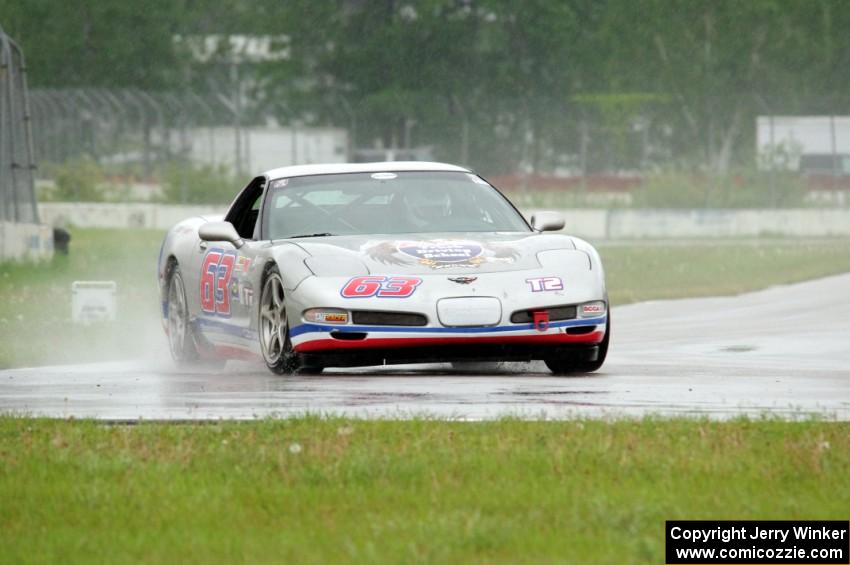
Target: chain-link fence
point(17, 162)
point(592, 153)
point(127, 128)
point(135, 133)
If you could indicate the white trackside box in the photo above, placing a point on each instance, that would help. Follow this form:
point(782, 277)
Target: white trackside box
point(93, 301)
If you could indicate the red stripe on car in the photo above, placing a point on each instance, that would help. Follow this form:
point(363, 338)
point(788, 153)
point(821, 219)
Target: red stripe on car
point(330, 343)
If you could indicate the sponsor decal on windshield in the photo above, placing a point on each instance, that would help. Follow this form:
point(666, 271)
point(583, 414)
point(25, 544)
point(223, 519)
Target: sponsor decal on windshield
point(439, 253)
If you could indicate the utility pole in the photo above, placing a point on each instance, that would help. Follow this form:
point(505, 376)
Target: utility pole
point(236, 94)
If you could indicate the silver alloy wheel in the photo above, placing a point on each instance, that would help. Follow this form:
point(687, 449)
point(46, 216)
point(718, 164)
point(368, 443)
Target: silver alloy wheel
point(177, 317)
point(273, 326)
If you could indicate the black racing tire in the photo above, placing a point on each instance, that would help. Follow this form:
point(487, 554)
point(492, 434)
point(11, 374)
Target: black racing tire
point(181, 338)
point(568, 365)
point(273, 327)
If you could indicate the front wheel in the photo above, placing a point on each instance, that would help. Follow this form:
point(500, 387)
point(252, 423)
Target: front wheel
point(566, 365)
point(274, 327)
point(181, 341)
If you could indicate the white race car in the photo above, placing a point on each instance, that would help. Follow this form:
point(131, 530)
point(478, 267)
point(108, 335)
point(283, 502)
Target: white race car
point(368, 264)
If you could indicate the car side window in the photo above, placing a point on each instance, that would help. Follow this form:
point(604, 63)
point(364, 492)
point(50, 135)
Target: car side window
point(246, 210)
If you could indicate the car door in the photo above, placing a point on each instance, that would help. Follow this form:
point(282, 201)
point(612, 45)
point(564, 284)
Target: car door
point(227, 278)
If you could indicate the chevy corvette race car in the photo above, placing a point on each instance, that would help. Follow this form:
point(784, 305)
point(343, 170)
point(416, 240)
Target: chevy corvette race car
point(368, 264)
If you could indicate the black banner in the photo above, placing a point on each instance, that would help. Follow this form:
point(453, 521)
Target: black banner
point(817, 542)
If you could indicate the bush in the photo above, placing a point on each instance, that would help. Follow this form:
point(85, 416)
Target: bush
point(78, 180)
point(184, 183)
point(747, 189)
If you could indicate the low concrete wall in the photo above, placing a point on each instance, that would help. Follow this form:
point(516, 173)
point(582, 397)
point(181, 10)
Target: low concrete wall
point(25, 242)
point(727, 223)
point(662, 224)
point(593, 224)
point(115, 215)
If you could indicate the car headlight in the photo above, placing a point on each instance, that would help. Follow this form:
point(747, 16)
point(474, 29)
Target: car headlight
point(592, 309)
point(326, 316)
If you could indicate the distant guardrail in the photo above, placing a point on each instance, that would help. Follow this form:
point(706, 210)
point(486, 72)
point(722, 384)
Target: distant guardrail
point(115, 215)
point(594, 224)
point(707, 224)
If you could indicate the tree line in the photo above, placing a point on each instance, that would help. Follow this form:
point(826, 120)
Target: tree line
point(498, 84)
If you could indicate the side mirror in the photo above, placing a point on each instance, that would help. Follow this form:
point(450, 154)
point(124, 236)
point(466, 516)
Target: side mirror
point(220, 231)
point(547, 221)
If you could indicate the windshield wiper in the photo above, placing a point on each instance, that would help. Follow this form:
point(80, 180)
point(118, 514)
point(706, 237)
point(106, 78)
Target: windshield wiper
point(310, 235)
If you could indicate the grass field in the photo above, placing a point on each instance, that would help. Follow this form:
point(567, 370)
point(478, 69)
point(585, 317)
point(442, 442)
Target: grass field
point(35, 314)
point(35, 327)
point(650, 271)
point(313, 490)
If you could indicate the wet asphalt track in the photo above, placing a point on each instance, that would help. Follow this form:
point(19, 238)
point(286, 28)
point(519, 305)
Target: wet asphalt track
point(784, 351)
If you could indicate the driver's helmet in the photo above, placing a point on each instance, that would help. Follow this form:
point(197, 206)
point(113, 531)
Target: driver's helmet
point(428, 205)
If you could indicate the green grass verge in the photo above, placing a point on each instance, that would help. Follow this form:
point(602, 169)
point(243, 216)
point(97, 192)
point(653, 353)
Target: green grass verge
point(401, 492)
point(35, 313)
point(651, 271)
point(35, 327)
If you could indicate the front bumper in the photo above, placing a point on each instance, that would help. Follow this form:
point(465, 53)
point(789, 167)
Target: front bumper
point(449, 334)
point(315, 338)
point(476, 351)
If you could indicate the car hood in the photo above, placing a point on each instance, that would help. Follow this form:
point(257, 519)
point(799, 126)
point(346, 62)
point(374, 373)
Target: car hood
point(433, 253)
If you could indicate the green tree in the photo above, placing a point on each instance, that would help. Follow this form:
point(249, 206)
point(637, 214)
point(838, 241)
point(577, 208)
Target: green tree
point(105, 43)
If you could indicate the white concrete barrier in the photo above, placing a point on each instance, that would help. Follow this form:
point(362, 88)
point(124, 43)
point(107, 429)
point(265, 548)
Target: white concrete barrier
point(593, 224)
point(643, 224)
point(705, 224)
point(117, 215)
point(25, 242)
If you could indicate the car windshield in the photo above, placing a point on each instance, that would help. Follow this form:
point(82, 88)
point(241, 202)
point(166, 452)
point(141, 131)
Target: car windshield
point(387, 203)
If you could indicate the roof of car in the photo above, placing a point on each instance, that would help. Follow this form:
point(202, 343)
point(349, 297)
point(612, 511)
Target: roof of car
point(339, 168)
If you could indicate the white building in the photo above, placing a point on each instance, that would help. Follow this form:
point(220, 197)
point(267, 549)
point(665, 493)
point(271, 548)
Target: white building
point(267, 147)
point(804, 143)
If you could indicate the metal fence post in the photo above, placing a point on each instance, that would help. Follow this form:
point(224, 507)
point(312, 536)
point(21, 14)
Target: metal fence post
point(30, 151)
point(13, 143)
point(5, 118)
point(17, 161)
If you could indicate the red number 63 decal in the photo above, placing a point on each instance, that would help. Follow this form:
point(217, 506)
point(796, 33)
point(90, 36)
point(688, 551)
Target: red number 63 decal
point(382, 287)
point(215, 276)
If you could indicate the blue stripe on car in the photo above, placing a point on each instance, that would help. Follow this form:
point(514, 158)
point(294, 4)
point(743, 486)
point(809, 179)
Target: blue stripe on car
point(223, 327)
point(311, 328)
point(232, 329)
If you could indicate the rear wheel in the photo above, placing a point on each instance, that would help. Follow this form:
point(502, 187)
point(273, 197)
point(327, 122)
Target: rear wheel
point(181, 341)
point(568, 364)
point(274, 327)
